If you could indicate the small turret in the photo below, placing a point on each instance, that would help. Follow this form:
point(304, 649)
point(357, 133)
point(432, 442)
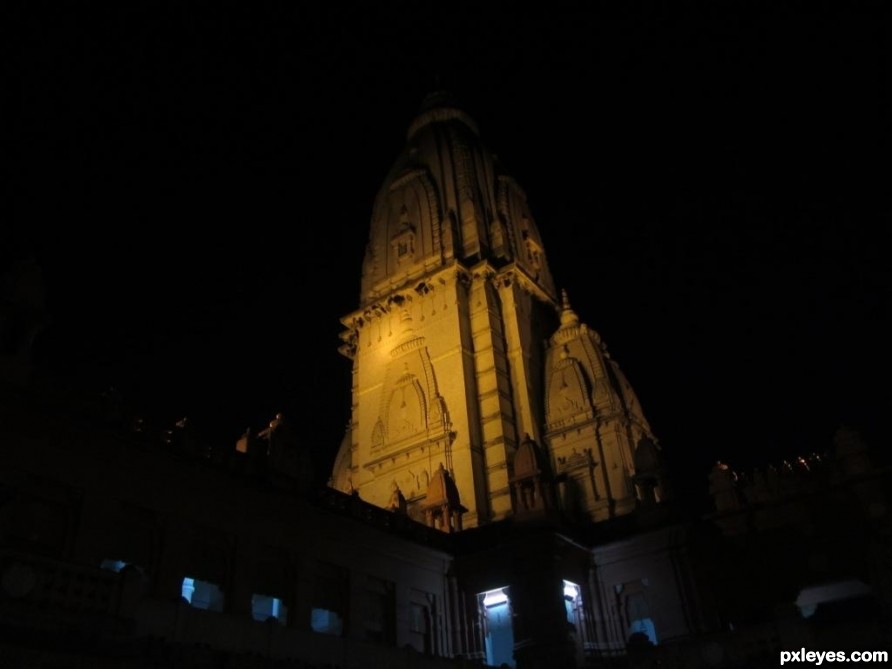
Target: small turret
point(442, 507)
point(531, 481)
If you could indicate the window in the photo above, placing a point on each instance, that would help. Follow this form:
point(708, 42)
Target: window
point(421, 621)
point(637, 611)
point(331, 589)
point(838, 600)
point(379, 613)
point(326, 622)
point(264, 607)
point(120, 566)
point(418, 618)
point(644, 626)
point(112, 565)
point(202, 594)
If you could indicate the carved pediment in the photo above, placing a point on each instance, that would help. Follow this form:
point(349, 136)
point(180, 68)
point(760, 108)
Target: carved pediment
point(406, 414)
point(568, 391)
point(412, 409)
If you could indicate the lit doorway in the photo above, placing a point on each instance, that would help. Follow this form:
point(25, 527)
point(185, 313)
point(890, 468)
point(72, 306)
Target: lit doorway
point(495, 607)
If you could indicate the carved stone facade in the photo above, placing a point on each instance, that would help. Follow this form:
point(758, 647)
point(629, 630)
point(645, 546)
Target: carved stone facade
point(448, 362)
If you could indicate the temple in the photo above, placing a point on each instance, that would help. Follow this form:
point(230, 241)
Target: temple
point(462, 348)
point(499, 498)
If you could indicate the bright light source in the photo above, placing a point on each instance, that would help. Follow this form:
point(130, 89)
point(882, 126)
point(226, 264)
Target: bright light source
point(494, 597)
point(571, 590)
point(188, 589)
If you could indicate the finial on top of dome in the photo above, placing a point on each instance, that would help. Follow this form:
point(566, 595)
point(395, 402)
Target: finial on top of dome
point(568, 316)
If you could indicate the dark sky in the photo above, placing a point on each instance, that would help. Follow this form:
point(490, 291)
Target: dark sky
point(710, 180)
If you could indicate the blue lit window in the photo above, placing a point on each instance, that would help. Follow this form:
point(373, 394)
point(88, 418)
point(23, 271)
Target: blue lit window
point(112, 565)
point(326, 622)
point(646, 627)
point(202, 595)
point(264, 607)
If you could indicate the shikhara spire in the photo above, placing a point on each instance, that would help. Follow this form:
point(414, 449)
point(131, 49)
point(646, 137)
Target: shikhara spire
point(450, 369)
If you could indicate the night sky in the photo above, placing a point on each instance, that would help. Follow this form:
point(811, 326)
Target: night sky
point(710, 181)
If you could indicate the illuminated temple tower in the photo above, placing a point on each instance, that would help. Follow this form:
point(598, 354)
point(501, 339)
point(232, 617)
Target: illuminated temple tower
point(477, 392)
